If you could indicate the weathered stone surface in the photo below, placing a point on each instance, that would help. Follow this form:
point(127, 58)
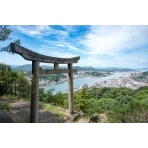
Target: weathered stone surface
point(93, 119)
point(101, 118)
point(53, 71)
point(71, 89)
point(34, 56)
point(34, 92)
point(71, 117)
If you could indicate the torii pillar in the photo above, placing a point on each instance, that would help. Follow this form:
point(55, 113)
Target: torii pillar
point(34, 92)
point(36, 58)
point(70, 86)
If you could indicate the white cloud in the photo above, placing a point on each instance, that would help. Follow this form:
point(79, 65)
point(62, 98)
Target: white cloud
point(60, 54)
point(34, 30)
point(128, 62)
point(114, 39)
point(71, 47)
point(106, 46)
point(60, 44)
point(40, 31)
point(49, 51)
point(102, 46)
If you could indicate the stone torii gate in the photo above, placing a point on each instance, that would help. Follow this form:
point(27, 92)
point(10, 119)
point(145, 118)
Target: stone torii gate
point(36, 58)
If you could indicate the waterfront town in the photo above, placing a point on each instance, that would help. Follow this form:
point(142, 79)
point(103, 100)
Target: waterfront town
point(128, 79)
point(81, 74)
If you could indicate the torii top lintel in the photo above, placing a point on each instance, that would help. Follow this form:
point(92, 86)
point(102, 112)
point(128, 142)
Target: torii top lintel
point(34, 56)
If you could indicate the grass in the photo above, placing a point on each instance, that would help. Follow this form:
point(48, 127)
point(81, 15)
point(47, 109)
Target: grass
point(51, 109)
point(45, 106)
point(5, 106)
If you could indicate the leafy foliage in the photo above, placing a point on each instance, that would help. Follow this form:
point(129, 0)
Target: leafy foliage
point(23, 87)
point(4, 32)
point(5, 106)
point(119, 104)
point(13, 83)
point(58, 99)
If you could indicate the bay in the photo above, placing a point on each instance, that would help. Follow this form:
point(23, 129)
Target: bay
point(90, 81)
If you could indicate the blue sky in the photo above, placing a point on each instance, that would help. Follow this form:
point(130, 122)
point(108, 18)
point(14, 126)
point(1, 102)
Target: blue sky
point(97, 46)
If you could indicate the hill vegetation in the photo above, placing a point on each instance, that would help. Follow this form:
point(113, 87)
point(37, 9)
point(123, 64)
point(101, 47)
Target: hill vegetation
point(13, 83)
point(121, 105)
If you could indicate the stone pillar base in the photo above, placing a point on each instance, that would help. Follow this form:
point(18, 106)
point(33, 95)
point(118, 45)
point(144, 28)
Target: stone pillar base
point(71, 117)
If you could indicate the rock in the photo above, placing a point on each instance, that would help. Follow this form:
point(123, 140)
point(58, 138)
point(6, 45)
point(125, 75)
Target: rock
point(102, 118)
point(71, 117)
point(93, 119)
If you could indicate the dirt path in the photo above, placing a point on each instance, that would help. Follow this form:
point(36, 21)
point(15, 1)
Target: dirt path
point(5, 117)
point(20, 112)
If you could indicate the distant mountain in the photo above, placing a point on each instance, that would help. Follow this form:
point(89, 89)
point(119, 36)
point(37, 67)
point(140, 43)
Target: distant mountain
point(24, 68)
point(112, 69)
point(86, 68)
point(14, 66)
point(46, 67)
point(28, 67)
point(145, 68)
point(108, 69)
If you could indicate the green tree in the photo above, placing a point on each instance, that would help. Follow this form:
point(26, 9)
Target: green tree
point(121, 100)
point(13, 83)
point(119, 114)
point(131, 112)
point(81, 98)
point(142, 94)
point(135, 108)
point(92, 107)
point(105, 104)
point(7, 79)
point(23, 88)
point(42, 94)
point(49, 97)
point(4, 32)
point(61, 100)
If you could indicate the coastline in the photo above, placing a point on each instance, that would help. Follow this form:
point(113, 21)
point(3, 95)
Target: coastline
point(118, 79)
point(47, 83)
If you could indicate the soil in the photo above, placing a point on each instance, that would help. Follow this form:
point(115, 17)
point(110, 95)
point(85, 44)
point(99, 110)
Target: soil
point(20, 113)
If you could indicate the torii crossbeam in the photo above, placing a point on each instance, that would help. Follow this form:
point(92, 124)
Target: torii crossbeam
point(36, 58)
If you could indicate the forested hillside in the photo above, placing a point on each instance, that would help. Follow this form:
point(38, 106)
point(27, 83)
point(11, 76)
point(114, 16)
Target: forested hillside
point(13, 83)
point(121, 105)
